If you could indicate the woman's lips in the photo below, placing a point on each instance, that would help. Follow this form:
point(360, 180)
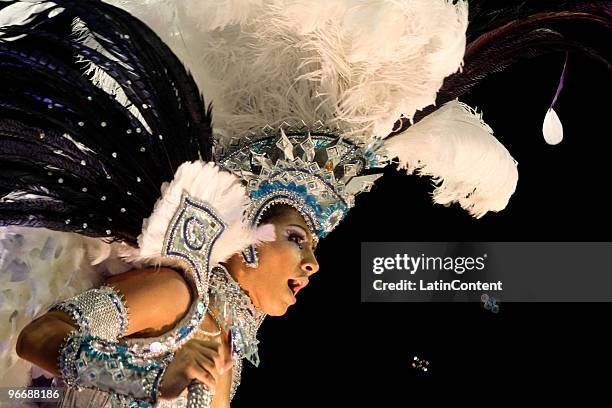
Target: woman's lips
point(296, 284)
point(292, 296)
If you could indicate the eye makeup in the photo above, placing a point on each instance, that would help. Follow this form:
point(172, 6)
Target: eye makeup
point(304, 233)
point(296, 235)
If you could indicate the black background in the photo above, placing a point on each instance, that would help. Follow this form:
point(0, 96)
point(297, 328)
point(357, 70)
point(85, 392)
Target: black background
point(330, 349)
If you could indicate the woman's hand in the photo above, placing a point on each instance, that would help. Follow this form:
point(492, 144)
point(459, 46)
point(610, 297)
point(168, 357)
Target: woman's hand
point(200, 360)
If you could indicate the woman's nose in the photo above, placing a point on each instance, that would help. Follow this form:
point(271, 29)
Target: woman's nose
point(310, 265)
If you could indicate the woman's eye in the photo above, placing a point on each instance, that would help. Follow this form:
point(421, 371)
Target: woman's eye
point(298, 239)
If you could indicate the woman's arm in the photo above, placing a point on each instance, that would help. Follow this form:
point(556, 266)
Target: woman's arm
point(156, 299)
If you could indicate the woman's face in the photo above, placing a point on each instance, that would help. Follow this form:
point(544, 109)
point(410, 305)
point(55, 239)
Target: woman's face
point(284, 267)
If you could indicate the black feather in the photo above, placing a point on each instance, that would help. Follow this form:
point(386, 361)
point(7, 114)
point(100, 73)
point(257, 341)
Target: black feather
point(72, 158)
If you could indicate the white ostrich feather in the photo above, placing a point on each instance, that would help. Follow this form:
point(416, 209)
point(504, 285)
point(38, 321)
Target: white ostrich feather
point(355, 64)
point(468, 164)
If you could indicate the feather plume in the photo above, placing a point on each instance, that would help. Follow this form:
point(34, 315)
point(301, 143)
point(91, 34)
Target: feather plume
point(467, 163)
point(268, 62)
point(97, 159)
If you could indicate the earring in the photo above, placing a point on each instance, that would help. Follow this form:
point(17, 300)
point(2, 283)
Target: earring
point(249, 257)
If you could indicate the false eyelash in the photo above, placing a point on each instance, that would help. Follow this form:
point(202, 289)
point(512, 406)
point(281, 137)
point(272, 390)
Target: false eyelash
point(299, 241)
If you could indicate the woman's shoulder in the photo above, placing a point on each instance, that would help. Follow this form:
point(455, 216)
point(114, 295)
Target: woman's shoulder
point(156, 298)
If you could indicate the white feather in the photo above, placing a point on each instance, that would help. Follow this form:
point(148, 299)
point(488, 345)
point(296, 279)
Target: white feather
point(468, 164)
point(552, 128)
point(37, 268)
point(355, 64)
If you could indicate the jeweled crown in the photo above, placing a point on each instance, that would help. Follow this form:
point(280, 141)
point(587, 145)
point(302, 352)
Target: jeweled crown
point(313, 169)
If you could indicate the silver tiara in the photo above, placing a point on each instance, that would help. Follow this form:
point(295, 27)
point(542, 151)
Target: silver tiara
point(313, 169)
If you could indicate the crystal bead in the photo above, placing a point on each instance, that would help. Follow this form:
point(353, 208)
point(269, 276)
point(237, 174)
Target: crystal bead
point(103, 124)
point(81, 124)
point(122, 209)
point(114, 154)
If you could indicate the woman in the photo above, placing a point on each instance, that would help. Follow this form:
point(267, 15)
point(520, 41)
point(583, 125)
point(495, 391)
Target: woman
point(307, 101)
point(284, 268)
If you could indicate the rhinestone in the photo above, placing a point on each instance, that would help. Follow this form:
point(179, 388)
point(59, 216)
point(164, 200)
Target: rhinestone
point(84, 189)
point(114, 155)
point(138, 179)
point(103, 124)
point(122, 209)
point(129, 193)
point(125, 36)
point(145, 106)
point(142, 149)
point(103, 198)
point(42, 135)
point(84, 225)
point(83, 162)
point(138, 130)
point(49, 173)
point(129, 131)
point(161, 137)
point(89, 98)
point(60, 180)
point(108, 232)
point(81, 123)
point(67, 221)
point(50, 106)
point(108, 177)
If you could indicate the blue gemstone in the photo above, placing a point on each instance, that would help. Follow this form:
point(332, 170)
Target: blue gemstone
point(184, 332)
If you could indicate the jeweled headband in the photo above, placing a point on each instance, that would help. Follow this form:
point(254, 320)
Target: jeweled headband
point(314, 170)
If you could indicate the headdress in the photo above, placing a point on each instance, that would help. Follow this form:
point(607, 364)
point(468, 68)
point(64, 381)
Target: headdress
point(309, 103)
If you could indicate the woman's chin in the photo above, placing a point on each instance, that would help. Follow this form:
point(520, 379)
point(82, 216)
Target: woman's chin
point(278, 309)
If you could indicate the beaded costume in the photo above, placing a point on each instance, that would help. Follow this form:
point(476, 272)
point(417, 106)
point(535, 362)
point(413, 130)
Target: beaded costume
point(110, 159)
